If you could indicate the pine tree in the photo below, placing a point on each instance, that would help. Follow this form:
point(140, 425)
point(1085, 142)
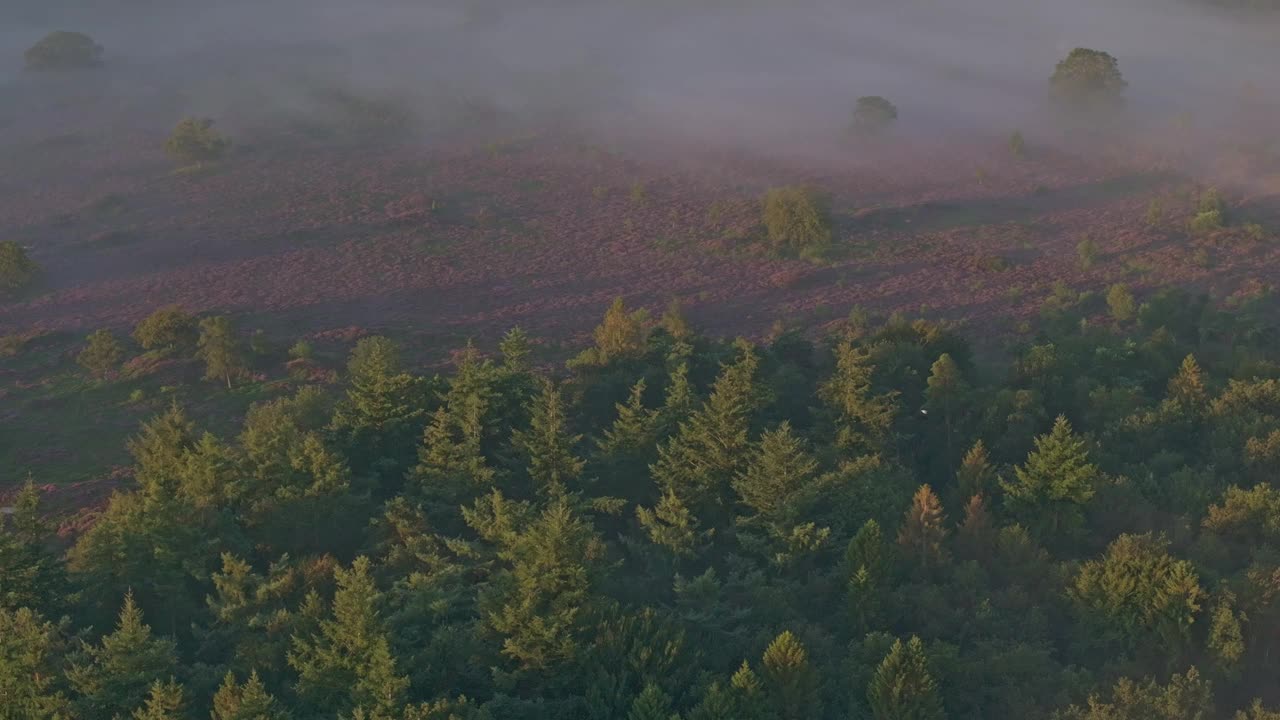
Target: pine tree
point(101, 354)
point(975, 475)
point(549, 447)
point(945, 397)
point(1051, 488)
point(115, 676)
point(219, 349)
point(671, 525)
point(652, 704)
point(347, 663)
point(159, 451)
point(31, 662)
point(384, 411)
point(164, 703)
point(977, 530)
point(790, 682)
point(863, 419)
point(515, 349)
point(635, 428)
point(865, 561)
point(30, 574)
point(248, 701)
point(700, 461)
point(678, 402)
point(538, 604)
point(779, 475)
point(451, 465)
point(924, 531)
point(902, 688)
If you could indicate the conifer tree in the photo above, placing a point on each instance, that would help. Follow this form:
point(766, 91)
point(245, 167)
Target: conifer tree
point(30, 575)
point(247, 701)
point(779, 475)
point(700, 461)
point(924, 531)
point(652, 704)
point(165, 702)
point(864, 558)
point(515, 349)
point(975, 476)
point(347, 664)
point(548, 445)
point(384, 410)
point(115, 677)
point(101, 354)
point(671, 526)
point(31, 666)
point(622, 333)
point(902, 688)
point(159, 451)
point(674, 322)
point(678, 401)
point(945, 397)
point(863, 419)
point(1049, 491)
point(977, 530)
point(451, 464)
point(634, 430)
point(538, 603)
point(219, 349)
point(790, 682)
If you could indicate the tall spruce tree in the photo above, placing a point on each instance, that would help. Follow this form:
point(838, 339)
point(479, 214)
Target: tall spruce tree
point(245, 701)
point(902, 687)
point(863, 418)
point(790, 681)
point(549, 447)
point(1050, 490)
point(32, 657)
point(923, 533)
point(115, 677)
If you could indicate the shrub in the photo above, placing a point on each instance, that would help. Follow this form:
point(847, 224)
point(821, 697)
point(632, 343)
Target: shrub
point(169, 327)
point(1255, 232)
point(797, 220)
point(301, 350)
point(194, 141)
point(873, 114)
point(1087, 251)
point(1121, 302)
point(992, 263)
point(101, 354)
point(17, 271)
point(63, 50)
point(1017, 145)
point(1206, 222)
point(1155, 212)
point(1087, 80)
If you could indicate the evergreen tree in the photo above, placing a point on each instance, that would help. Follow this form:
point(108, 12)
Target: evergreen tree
point(538, 603)
point(1186, 697)
point(1051, 488)
point(863, 419)
point(347, 663)
point(622, 333)
point(549, 447)
point(114, 677)
point(515, 349)
point(700, 461)
point(975, 475)
point(384, 410)
point(30, 575)
point(790, 682)
point(634, 430)
point(164, 703)
point(674, 322)
point(451, 464)
point(945, 398)
point(671, 526)
point(902, 688)
point(977, 531)
point(678, 402)
point(160, 450)
point(101, 354)
point(220, 350)
point(1226, 639)
point(652, 704)
point(31, 666)
point(924, 531)
point(247, 701)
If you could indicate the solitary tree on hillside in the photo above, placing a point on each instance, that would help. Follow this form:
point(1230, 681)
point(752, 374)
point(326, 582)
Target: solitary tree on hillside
point(873, 114)
point(63, 50)
point(17, 271)
point(167, 328)
point(101, 353)
point(797, 220)
point(1087, 80)
point(194, 141)
point(219, 349)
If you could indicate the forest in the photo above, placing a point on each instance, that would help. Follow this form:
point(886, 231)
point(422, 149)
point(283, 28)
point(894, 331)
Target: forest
point(880, 522)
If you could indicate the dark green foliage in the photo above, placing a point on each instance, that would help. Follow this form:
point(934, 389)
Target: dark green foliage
point(873, 114)
point(17, 271)
point(614, 541)
point(1087, 80)
point(63, 50)
point(194, 142)
point(797, 221)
